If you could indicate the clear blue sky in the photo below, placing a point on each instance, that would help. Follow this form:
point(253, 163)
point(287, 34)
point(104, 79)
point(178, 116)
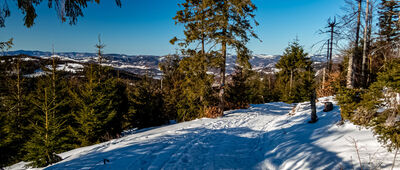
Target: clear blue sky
point(146, 26)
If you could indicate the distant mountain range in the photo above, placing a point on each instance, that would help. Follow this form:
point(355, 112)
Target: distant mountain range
point(148, 64)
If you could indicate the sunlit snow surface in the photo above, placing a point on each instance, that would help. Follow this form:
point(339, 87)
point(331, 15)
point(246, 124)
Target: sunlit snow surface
point(261, 137)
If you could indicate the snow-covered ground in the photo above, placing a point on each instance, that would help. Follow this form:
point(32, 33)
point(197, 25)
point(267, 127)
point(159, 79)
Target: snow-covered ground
point(264, 136)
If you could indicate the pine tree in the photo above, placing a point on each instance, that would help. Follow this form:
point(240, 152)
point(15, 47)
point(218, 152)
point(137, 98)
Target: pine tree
point(171, 85)
point(246, 87)
point(116, 98)
point(233, 28)
point(48, 121)
point(146, 104)
point(196, 88)
point(238, 92)
point(270, 92)
point(92, 110)
point(293, 77)
point(389, 32)
point(224, 22)
point(197, 17)
point(14, 114)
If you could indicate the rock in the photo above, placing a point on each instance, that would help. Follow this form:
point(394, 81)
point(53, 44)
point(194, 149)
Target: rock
point(328, 107)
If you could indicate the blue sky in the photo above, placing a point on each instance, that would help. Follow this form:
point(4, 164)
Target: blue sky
point(146, 26)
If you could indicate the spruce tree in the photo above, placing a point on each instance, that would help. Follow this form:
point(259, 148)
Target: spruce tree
point(246, 87)
point(196, 88)
point(389, 30)
point(238, 92)
point(171, 85)
point(233, 25)
point(14, 114)
point(198, 18)
point(224, 22)
point(293, 77)
point(145, 104)
point(270, 93)
point(92, 110)
point(49, 119)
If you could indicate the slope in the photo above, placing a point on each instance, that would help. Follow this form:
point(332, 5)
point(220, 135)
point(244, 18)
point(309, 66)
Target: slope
point(262, 137)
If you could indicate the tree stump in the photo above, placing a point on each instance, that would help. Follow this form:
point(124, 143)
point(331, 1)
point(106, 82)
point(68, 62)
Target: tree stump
point(328, 107)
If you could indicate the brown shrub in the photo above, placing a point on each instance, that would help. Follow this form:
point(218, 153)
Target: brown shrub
point(330, 85)
point(213, 112)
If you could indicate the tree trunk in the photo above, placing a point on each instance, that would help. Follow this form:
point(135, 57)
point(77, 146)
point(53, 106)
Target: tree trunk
point(328, 54)
point(223, 51)
point(223, 71)
point(314, 117)
point(350, 69)
point(291, 83)
point(358, 23)
point(364, 59)
point(323, 77)
point(370, 59)
point(269, 82)
point(350, 80)
point(331, 49)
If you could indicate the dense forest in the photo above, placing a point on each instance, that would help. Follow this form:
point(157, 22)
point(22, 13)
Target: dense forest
point(59, 111)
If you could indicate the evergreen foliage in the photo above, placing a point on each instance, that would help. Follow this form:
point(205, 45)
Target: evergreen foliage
point(14, 115)
point(388, 20)
point(49, 121)
point(93, 110)
point(363, 106)
point(171, 86)
point(224, 22)
point(295, 75)
point(196, 88)
point(385, 124)
point(238, 93)
point(246, 88)
point(270, 93)
point(146, 104)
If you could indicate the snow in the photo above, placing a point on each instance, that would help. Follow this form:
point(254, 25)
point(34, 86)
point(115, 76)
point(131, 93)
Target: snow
point(37, 73)
point(266, 56)
point(264, 136)
point(29, 59)
point(70, 67)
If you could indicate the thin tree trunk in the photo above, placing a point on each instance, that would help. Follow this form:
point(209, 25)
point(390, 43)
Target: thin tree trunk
point(19, 94)
point(291, 83)
point(323, 77)
point(223, 71)
point(314, 117)
point(364, 59)
point(351, 66)
point(269, 82)
point(350, 80)
point(358, 23)
point(328, 54)
point(369, 41)
point(223, 50)
point(46, 112)
point(54, 79)
point(331, 49)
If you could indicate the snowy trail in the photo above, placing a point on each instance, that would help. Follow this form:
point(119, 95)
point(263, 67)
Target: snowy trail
point(261, 137)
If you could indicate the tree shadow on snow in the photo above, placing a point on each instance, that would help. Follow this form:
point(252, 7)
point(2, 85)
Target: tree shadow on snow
point(221, 148)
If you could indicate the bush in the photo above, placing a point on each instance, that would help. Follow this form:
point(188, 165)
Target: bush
point(348, 101)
